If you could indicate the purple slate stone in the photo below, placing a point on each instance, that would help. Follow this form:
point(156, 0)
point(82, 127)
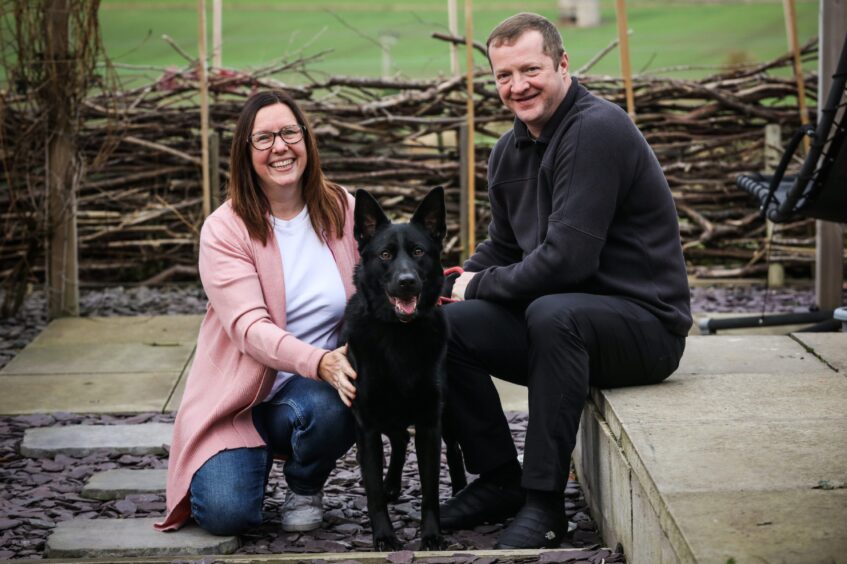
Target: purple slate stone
point(401, 557)
point(52, 466)
point(36, 420)
point(8, 524)
point(126, 507)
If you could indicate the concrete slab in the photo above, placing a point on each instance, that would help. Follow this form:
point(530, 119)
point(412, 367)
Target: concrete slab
point(739, 455)
point(81, 440)
point(726, 456)
point(729, 397)
point(748, 354)
point(100, 358)
point(162, 330)
point(86, 393)
point(117, 484)
point(830, 347)
point(115, 538)
point(803, 525)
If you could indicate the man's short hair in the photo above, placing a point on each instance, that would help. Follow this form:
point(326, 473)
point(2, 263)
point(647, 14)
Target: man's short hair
point(513, 27)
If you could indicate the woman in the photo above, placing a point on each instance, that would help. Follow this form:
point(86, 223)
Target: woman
point(276, 262)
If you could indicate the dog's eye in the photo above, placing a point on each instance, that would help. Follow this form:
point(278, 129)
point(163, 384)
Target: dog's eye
point(418, 252)
point(385, 255)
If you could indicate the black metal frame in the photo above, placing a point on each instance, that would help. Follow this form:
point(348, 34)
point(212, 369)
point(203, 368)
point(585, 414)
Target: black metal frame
point(818, 191)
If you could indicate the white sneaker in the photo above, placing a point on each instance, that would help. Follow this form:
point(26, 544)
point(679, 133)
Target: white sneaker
point(302, 512)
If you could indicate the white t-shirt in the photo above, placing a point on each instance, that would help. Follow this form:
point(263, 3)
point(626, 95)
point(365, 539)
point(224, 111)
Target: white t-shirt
point(314, 293)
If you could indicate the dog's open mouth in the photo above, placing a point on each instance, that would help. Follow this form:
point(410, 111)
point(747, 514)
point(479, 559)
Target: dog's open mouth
point(405, 308)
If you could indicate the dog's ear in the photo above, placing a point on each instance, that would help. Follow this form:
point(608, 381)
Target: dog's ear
point(368, 217)
point(431, 214)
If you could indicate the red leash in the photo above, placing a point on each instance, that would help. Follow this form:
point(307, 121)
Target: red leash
point(448, 271)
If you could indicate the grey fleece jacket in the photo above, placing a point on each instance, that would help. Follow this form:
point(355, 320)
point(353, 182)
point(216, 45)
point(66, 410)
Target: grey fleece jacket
point(584, 208)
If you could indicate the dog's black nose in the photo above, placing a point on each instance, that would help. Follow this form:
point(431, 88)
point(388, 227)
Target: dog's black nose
point(406, 280)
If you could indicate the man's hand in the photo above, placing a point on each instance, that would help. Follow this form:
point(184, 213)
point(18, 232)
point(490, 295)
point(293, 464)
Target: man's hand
point(335, 369)
point(460, 285)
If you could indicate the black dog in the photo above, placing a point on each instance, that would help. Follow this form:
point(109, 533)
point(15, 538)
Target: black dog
point(397, 342)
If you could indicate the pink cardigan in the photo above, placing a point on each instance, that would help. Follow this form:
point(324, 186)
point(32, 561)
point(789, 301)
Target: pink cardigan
point(241, 345)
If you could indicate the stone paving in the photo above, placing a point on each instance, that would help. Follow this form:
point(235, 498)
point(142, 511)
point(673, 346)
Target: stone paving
point(740, 455)
point(117, 484)
point(101, 365)
point(116, 538)
point(147, 438)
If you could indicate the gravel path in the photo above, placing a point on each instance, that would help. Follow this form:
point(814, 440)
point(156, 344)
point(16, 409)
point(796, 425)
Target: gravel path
point(38, 493)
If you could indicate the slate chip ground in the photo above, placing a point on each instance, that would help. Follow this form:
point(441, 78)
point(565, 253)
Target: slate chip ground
point(38, 493)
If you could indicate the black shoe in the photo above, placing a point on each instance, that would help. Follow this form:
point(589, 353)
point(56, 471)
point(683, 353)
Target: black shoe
point(534, 528)
point(482, 501)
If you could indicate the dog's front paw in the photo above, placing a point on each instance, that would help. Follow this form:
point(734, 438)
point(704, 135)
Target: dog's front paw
point(387, 543)
point(433, 542)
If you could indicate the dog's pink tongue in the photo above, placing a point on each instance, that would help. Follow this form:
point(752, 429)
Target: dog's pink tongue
point(406, 307)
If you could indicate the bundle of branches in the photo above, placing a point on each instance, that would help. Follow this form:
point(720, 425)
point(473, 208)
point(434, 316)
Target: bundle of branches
point(140, 209)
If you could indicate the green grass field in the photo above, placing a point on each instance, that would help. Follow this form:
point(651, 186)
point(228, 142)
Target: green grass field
point(666, 33)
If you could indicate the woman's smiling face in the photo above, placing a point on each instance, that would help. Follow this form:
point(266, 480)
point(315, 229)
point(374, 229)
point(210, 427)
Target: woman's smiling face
point(280, 167)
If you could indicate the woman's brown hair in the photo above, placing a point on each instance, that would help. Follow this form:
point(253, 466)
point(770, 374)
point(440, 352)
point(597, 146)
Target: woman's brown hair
point(327, 202)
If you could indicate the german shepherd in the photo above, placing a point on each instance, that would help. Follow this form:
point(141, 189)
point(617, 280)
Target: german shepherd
point(397, 343)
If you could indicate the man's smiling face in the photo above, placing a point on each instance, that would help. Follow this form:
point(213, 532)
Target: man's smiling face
point(530, 83)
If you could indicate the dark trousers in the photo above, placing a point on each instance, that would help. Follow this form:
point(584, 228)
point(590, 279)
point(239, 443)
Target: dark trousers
point(557, 347)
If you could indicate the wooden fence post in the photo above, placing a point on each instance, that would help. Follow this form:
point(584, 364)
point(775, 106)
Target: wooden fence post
point(62, 166)
point(215, 169)
point(453, 26)
point(773, 153)
point(829, 238)
point(217, 34)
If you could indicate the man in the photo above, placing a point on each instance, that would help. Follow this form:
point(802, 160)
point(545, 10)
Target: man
point(580, 282)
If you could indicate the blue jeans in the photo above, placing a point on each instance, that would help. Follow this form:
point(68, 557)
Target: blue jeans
point(307, 423)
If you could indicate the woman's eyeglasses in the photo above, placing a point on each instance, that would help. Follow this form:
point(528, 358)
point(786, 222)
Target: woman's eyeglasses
point(264, 140)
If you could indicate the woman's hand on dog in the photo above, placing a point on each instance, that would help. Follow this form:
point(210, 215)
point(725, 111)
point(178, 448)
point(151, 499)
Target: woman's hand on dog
point(335, 369)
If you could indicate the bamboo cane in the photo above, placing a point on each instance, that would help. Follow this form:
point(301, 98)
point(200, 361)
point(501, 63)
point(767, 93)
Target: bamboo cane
point(204, 107)
point(470, 148)
point(794, 47)
point(626, 69)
